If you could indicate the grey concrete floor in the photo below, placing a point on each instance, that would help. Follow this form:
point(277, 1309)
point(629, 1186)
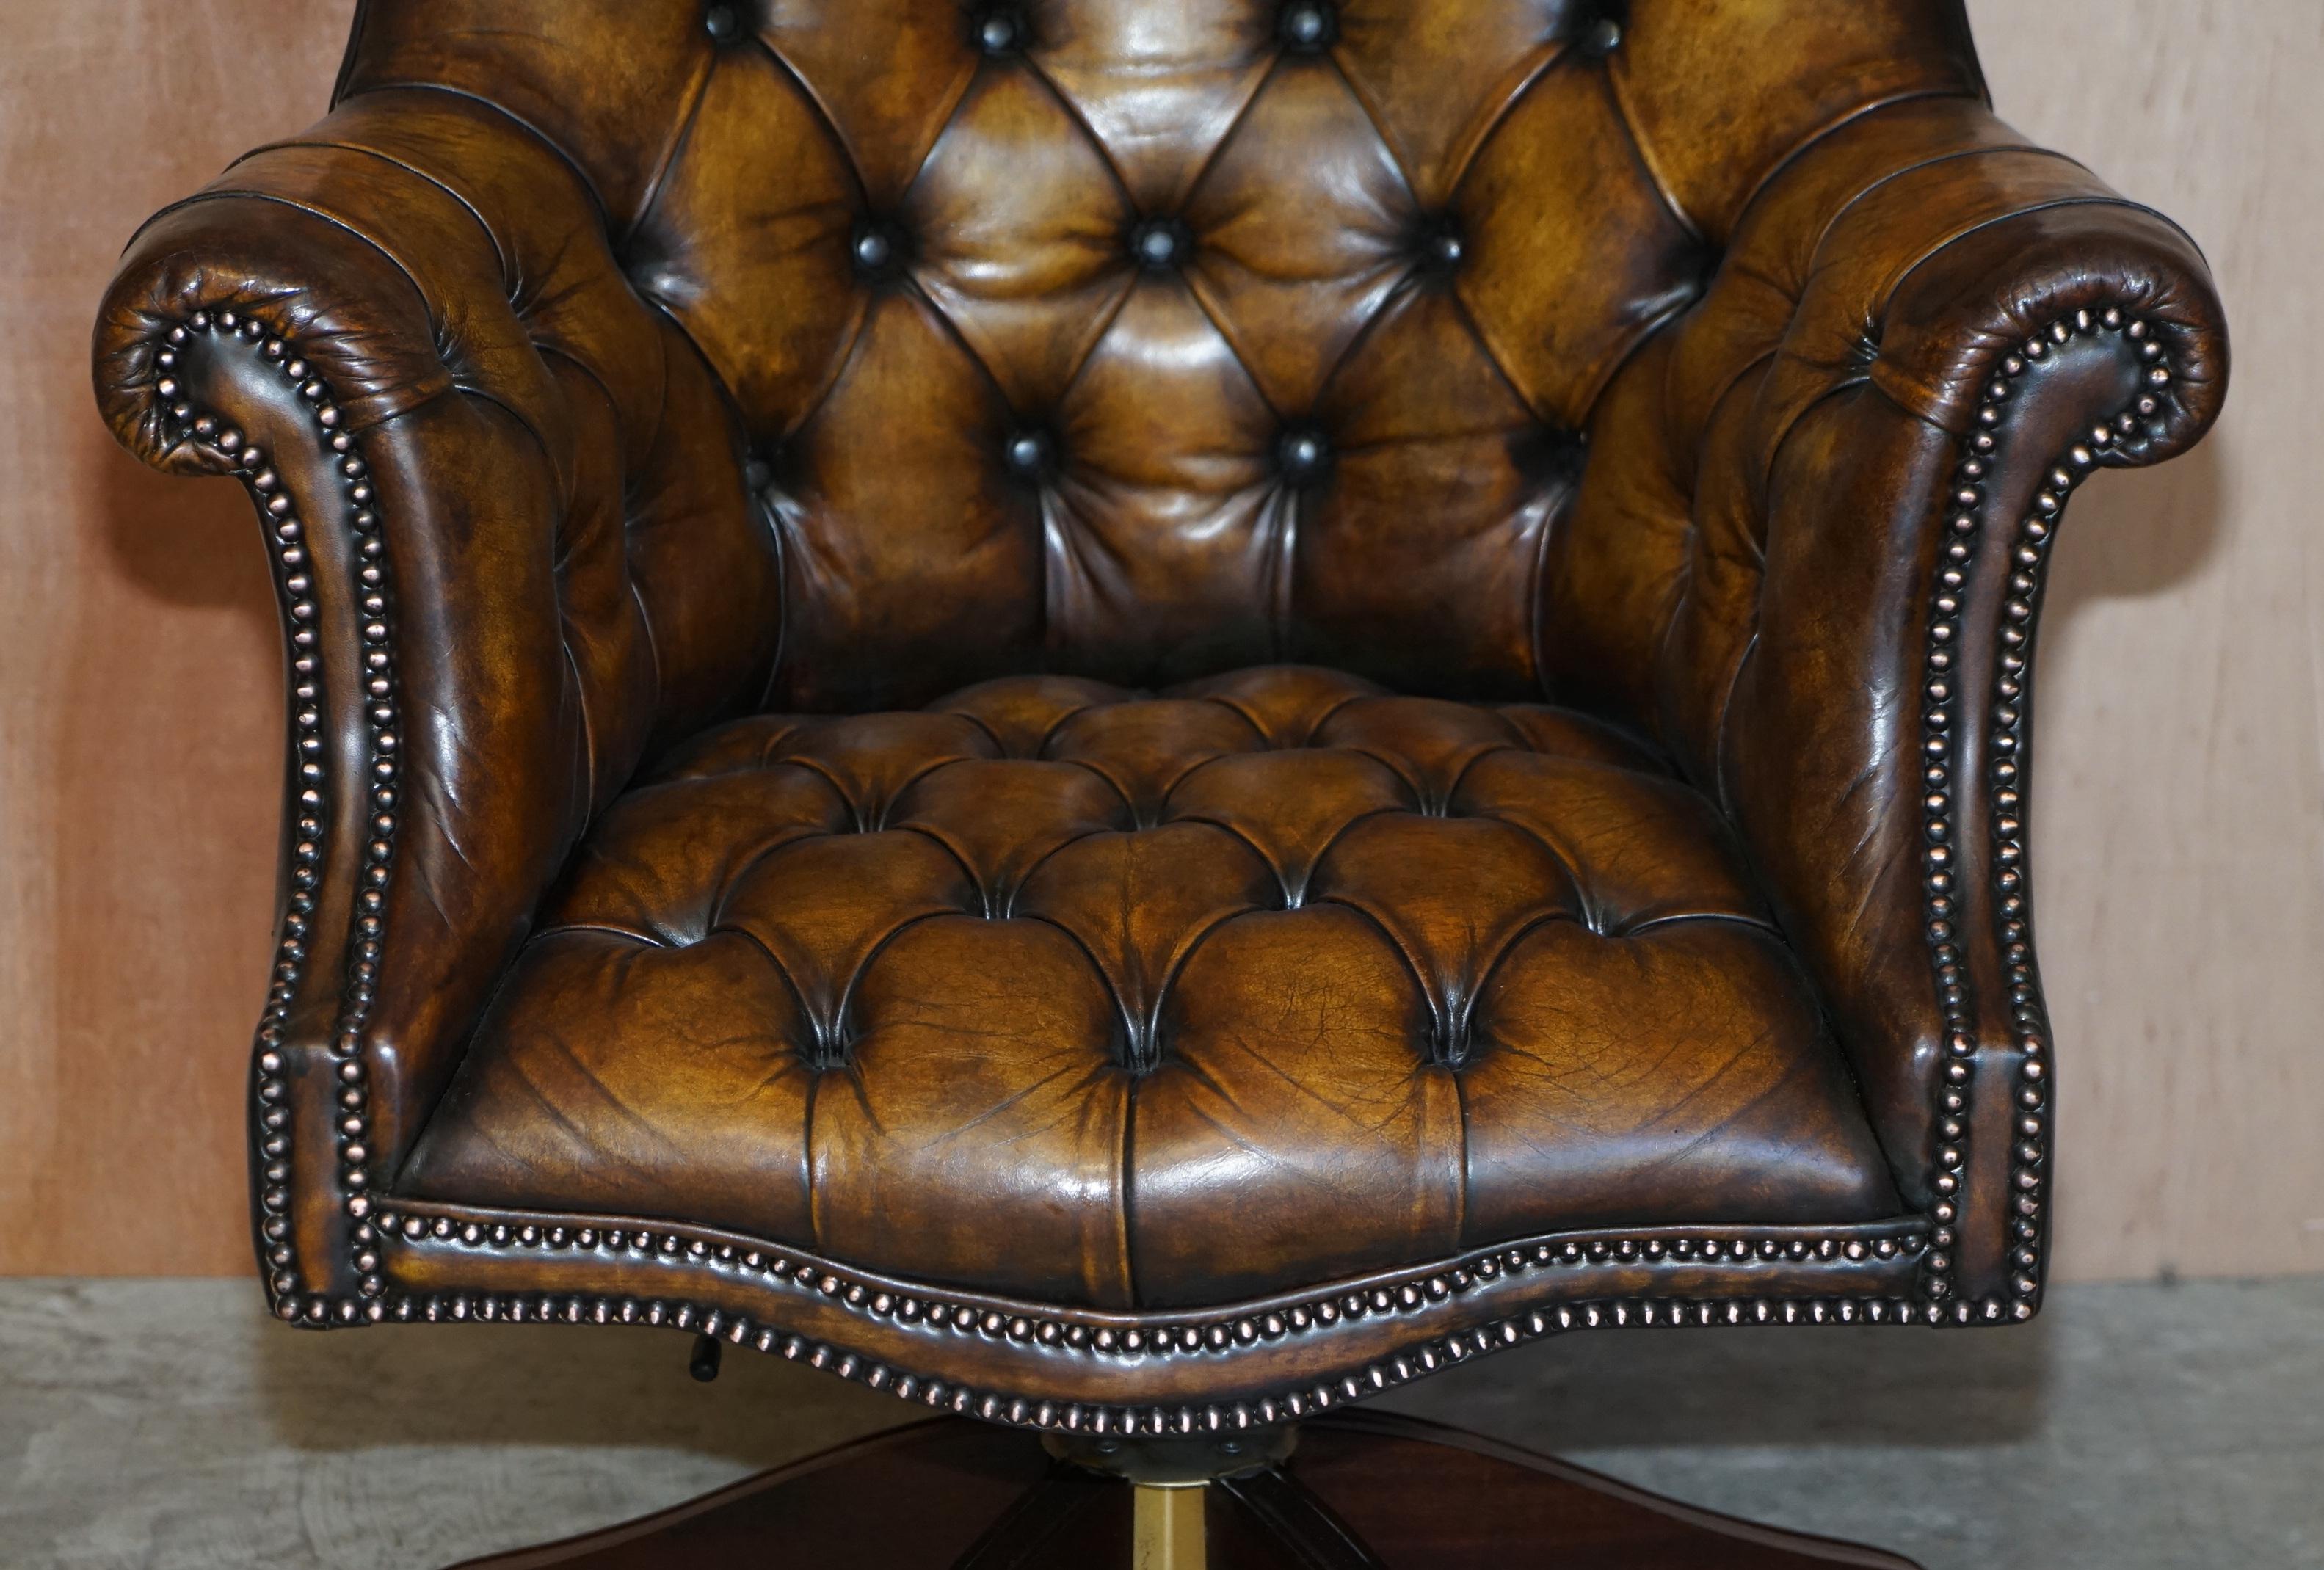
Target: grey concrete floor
point(169, 1426)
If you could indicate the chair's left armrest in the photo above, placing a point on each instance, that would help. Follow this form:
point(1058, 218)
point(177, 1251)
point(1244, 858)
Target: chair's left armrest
point(503, 505)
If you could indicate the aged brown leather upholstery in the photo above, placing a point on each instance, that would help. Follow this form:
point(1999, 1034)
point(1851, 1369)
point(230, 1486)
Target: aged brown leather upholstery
point(1256, 417)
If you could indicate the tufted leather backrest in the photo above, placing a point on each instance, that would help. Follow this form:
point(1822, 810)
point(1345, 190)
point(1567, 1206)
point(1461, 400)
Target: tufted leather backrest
point(1143, 338)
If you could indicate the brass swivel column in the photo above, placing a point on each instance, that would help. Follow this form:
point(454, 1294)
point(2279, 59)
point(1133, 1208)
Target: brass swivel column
point(1170, 1479)
point(1167, 1528)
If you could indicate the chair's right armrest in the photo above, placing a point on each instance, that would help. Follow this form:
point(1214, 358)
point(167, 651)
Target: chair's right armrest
point(1808, 553)
point(503, 505)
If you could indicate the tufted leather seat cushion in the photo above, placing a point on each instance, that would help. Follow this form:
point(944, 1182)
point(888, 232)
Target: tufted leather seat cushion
point(1265, 980)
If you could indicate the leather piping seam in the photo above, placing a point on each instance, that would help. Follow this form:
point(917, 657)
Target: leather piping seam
point(548, 143)
point(2005, 746)
point(1786, 160)
point(510, 276)
point(419, 292)
point(1864, 193)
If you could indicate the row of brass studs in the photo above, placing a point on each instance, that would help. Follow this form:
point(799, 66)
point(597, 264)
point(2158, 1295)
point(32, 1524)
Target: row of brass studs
point(1028, 1412)
point(1221, 1333)
point(2029, 1156)
point(295, 582)
point(2007, 742)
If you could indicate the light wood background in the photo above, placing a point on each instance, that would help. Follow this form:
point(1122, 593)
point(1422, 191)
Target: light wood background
point(2179, 807)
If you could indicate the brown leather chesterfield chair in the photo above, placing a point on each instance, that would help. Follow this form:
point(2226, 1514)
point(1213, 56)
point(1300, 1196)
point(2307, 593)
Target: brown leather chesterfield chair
point(1134, 716)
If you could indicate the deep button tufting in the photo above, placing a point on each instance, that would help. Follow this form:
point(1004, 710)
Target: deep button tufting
point(668, 855)
point(838, 982)
point(1139, 903)
point(1290, 806)
point(870, 760)
point(1305, 146)
point(1001, 819)
point(1144, 749)
point(1308, 26)
point(1286, 704)
point(721, 22)
point(822, 905)
point(1158, 243)
point(1603, 36)
point(1430, 740)
point(1453, 896)
point(1020, 712)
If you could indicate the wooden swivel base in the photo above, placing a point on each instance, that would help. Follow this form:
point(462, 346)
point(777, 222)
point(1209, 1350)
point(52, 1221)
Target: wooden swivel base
point(1362, 1491)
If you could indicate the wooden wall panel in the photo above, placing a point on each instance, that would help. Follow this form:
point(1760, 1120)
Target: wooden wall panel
point(2179, 790)
point(2180, 805)
point(140, 683)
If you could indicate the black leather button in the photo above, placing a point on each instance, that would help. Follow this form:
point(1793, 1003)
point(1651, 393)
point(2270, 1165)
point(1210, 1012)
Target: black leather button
point(1159, 242)
point(1308, 26)
point(721, 22)
point(1603, 36)
point(1029, 453)
point(1303, 454)
point(1000, 32)
point(1550, 454)
point(876, 248)
point(1442, 246)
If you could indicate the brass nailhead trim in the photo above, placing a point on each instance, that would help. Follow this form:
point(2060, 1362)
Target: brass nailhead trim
point(2007, 743)
point(286, 537)
point(1228, 1334)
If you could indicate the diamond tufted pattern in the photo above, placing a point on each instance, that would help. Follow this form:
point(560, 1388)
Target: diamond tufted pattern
point(1272, 979)
point(1157, 241)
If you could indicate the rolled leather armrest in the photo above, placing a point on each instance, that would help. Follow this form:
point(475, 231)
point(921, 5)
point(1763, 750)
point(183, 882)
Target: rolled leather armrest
point(1807, 555)
point(503, 505)
point(1978, 325)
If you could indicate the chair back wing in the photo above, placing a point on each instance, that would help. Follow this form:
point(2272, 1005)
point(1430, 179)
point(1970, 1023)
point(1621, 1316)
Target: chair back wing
point(1144, 340)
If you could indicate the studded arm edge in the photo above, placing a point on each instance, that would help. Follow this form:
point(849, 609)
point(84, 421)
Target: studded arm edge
point(504, 510)
point(1980, 325)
